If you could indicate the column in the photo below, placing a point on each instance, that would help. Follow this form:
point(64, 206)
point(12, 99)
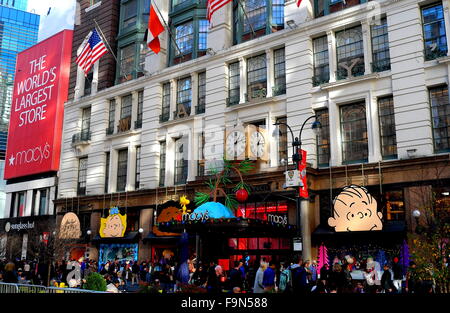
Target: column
point(94, 84)
point(194, 93)
point(79, 85)
point(131, 171)
point(305, 229)
point(117, 113)
point(270, 72)
point(367, 47)
point(134, 105)
point(173, 98)
point(220, 31)
point(332, 55)
point(243, 79)
point(445, 6)
point(335, 144)
point(373, 128)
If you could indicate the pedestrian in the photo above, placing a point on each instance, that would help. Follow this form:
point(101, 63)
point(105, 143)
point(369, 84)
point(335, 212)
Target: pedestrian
point(299, 278)
point(397, 270)
point(10, 274)
point(285, 279)
point(235, 276)
point(134, 273)
point(269, 278)
point(258, 285)
point(337, 278)
point(313, 270)
point(387, 283)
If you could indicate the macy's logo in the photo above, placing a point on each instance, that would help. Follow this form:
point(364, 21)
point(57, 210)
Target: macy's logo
point(36, 154)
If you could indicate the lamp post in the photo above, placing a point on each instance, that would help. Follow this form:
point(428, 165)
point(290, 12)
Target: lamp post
point(416, 215)
point(301, 202)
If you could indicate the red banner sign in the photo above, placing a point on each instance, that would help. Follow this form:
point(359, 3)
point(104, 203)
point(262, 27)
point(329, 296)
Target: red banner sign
point(302, 168)
point(37, 109)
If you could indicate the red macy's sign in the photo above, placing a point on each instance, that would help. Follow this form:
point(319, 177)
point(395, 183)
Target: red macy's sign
point(37, 108)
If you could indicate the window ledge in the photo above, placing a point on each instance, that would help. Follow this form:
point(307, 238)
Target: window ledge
point(249, 104)
point(178, 120)
point(124, 134)
point(441, 60)
point(92, 7)
point(352, 80)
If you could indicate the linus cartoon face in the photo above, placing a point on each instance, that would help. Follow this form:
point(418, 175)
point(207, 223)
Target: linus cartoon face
point(355, 210)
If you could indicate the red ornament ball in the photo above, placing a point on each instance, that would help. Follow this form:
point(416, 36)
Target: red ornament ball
point(242, 195)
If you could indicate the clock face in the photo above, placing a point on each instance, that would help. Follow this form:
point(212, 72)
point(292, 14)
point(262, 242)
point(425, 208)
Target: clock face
point(235, 144)
point(257, 144)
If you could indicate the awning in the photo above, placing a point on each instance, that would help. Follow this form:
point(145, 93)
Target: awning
point(131, 236)
point(151, 237)
point(390, 231)
point(234, 227)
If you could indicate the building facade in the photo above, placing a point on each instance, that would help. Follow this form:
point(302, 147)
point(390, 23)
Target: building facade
point(19, 31)
point(374, 74)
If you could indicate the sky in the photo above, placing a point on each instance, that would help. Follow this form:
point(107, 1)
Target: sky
point(61, 15)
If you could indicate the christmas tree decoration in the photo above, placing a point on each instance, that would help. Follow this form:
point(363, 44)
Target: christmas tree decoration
point(323, 257)
point(223, 178)
point(242, 195)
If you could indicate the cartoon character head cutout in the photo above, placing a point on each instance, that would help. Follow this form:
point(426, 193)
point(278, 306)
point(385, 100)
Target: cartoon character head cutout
point(114, 225)
point(70, 227)
point(355, 210)
point(169, 213)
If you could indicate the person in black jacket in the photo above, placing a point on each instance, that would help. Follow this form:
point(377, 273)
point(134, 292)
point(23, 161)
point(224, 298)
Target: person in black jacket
point(386, 280)
point(236, 276)
point(397, 269)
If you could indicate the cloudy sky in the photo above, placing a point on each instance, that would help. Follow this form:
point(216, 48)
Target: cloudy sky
point(61, 15)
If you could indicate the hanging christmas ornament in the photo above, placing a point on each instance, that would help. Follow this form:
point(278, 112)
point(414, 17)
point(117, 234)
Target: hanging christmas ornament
point(242, 195)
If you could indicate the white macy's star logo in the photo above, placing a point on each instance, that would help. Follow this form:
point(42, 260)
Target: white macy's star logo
point(11, 160)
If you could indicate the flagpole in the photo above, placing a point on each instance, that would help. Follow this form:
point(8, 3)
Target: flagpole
point(110, 49)
point(246, 17)
point(165, 24)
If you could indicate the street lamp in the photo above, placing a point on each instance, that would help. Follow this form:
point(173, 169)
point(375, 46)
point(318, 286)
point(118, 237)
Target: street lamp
point(89, 232)
point(416, 215)
point(297, 159)
point(141, 230)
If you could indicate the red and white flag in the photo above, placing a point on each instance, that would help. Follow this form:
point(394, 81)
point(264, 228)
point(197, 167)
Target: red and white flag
point(213, 6)
point(155, 27)
point(93, 50)
point(299, 2)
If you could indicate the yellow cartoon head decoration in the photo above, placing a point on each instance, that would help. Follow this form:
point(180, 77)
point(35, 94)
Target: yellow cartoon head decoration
point(354, 209)
point(114, 225)
point(184, 202)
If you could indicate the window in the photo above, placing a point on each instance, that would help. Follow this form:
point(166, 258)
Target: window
point(132, 220)
point(162, 163)
point(138, 122)
point(181, 160)
point(201, 155)
point(129, 14)
point(394, 209)
point(440, 113)
point(280, 72)
point(387, 128)
point(233, 84)
point(184, 97)
point(256, 18)
point(85, 134)
point(88, 82)
point(435, 39)
point(380, 47)
point(165, 110)
point(201, 93)
point(122, 167)
point(323, 138)
point(256, 77)
point(138, 168)
point(184, 37)
point(321, 65)
point(107, 162)
point(82, 170)
point(203, 35)
point(282, 141)
point(325, 7)
point(125, 113)
point(261, 210)
point(350, 53)
point(41, 201)
point(111, 116)
point(354, 133)
point(127, 55)
point(18, 204)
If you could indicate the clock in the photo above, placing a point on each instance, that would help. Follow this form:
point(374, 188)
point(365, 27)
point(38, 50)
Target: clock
point(258, 143)
point(235, 144)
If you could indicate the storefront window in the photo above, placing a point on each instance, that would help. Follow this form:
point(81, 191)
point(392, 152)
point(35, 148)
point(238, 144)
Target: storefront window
point(264, 243)
point(261, 210)
point(442, 198)
point(395, 206)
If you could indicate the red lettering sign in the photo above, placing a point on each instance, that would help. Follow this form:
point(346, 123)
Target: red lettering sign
point(302, 168)
point(37, 109)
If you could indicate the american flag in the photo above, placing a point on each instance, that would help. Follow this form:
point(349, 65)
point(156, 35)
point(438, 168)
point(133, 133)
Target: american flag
point(93, 50)
point(213, 6)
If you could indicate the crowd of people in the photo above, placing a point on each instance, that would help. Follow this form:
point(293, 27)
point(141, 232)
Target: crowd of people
point(298, 276)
